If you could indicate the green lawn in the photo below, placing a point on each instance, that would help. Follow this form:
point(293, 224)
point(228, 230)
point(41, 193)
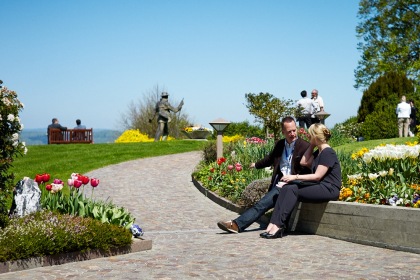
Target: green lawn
point(62, 160)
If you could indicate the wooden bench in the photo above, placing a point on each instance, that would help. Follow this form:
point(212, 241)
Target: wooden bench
point(70, 136)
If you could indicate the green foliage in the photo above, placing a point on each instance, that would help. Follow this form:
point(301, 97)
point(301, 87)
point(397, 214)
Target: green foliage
point(245, 129)
point(388, 88)
point(382, 124)
point(269, 110)
point(389, 34)
point(10, 147)
point(47, 233)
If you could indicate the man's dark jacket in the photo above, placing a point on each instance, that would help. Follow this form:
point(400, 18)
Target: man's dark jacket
point(274, 158)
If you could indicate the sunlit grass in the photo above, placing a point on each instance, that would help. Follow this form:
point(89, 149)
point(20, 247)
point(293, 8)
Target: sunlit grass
point(62, 160)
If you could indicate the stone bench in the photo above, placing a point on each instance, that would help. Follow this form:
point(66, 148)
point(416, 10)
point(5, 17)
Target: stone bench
point(384, 226)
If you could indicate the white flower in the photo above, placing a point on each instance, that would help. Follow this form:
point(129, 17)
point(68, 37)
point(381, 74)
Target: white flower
point(56, 187)
point(10, 117)
point(383, 173)
point(6, 101)
point(373, 176)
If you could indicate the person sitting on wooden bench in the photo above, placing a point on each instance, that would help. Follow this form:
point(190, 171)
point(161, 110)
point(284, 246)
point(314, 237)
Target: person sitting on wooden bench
point(55, 125)
point(79, 135)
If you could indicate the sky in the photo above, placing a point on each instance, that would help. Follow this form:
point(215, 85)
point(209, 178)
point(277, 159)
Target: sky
point(92, 59)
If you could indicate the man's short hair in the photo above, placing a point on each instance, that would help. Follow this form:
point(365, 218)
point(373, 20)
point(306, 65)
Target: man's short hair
point(78, 122)
point(303, 93)
point(287, 119)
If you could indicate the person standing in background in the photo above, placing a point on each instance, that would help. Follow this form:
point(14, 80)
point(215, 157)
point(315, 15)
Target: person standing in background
point(403, 112)
point(305, 110)
point(413, 119)
point(318, 106)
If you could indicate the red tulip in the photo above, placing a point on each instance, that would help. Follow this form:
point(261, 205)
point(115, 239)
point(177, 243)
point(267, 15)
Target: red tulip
point(85, 180)
point(94, 182)
point(77, 184)
point(212, 170)
point(38, 178)
point(45, 177)
point(48, 187)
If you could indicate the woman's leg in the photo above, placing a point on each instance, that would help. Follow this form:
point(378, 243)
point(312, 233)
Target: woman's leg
point(290, 194)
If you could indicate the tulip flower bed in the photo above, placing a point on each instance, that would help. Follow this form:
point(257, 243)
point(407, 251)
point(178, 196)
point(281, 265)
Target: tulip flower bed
point(77, 204)
point(69, 222)
point(229, 176)
point(387, 174)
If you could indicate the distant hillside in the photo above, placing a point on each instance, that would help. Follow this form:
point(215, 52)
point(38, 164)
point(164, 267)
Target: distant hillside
point(38, 136)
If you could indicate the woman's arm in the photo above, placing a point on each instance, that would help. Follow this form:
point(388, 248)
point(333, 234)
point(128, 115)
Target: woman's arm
point(320, 172)
point(308, 156)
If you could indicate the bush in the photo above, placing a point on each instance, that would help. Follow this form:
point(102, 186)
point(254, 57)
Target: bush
point(47, 233)
point(254, 192)
point(10, 147)
point(382, 124)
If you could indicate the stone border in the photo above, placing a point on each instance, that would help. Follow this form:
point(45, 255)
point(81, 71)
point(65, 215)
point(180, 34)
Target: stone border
point(384, 226)
point(138, 245)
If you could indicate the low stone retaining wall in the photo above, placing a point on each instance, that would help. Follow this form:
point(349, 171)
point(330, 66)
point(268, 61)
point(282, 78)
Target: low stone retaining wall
point(384, 226)
point(392, 227)
point(11, 266)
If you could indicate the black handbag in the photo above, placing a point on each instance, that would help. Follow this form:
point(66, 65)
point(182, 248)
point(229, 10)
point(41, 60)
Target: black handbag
point(303, 183)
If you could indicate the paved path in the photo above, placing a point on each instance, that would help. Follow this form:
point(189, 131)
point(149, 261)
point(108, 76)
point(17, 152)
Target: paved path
point(187, 243)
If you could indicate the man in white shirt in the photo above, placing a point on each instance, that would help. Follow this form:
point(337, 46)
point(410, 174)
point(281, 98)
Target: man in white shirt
point(403, 112)
point(305, 106)
point(318, 106)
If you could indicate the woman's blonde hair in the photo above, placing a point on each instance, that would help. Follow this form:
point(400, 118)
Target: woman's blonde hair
point(320, 131)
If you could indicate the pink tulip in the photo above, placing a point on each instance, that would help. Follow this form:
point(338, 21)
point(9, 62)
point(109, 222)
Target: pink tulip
point(70, 182)
point(230, 166)
point(57, 181)
point(94, 182)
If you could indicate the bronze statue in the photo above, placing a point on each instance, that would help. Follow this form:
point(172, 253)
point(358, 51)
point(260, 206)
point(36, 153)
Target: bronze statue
point(163, 109)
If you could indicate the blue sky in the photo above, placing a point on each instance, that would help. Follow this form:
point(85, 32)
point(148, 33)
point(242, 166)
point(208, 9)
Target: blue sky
point(91, 59)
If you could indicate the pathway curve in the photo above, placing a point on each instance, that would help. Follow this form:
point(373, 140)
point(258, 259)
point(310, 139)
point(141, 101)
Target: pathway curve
point(181, 222)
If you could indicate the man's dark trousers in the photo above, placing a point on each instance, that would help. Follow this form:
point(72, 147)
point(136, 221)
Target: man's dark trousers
point(255, 212)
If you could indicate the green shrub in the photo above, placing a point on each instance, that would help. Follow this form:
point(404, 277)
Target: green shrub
point(382, 124)
point(47, 233)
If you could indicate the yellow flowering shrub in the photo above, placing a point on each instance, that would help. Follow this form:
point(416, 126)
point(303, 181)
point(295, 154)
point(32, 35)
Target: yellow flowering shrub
point(133, 135)
point(234, 138)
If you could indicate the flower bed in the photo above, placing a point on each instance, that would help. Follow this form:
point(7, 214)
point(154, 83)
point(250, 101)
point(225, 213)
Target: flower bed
point(195, 132)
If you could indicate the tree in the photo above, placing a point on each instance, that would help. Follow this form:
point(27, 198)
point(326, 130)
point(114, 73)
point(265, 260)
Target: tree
point(389, 87)
point(390, 34)
point(269, 110)
point(138, 115)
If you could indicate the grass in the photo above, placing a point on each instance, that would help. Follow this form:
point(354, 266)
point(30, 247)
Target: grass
point(62, 160)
